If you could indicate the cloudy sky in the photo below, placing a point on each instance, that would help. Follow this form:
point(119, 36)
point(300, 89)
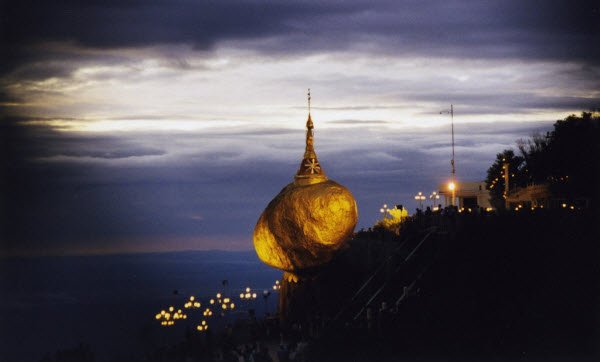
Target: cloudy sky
point(169, 125)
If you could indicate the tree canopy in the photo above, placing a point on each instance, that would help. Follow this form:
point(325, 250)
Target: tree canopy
point(394, 221)
point(567, 159)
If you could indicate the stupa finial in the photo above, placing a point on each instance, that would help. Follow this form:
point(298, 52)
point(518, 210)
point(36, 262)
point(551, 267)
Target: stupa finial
point(310, 167)
point(309, 122)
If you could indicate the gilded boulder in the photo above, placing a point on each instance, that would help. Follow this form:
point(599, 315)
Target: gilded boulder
point(304, 224)
point(308, 220)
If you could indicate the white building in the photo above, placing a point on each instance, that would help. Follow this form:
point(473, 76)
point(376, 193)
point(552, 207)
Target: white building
point(469, 195)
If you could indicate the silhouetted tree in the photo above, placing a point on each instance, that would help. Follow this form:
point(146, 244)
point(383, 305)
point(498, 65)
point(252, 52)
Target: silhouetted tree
point(568, 159)
point(574, 154)
point(535, 153)
point(495, 176)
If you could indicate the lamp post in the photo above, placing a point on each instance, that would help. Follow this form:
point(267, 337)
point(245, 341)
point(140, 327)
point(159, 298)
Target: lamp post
point(434, 196)
point(420, 197)
point(266, 294)
point(452, 188)
point(384, 210)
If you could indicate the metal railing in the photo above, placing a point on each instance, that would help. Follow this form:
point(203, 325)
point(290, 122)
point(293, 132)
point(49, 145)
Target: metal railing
point(380, 278)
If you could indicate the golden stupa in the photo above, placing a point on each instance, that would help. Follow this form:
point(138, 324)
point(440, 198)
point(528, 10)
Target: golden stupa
point(308, 220)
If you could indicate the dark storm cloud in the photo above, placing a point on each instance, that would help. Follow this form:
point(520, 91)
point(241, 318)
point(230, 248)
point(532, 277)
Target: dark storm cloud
point(28, 25)
point(112, 153)
point(40, 141)
point(557, 30)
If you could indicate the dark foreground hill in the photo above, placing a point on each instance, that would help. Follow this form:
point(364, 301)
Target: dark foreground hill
point(515, 287)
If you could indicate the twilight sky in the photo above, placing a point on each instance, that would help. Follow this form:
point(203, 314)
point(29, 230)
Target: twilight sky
point(169, 125)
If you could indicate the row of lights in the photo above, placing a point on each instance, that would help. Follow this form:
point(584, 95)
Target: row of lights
point(564, 206)
point(433, 197)
point(192, 303)
point(202, 326)
point(169, 317)
point(248, 295)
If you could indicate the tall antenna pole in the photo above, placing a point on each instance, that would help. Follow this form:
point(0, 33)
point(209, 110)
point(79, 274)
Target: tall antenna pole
point(452, 185)
point(452, 121)
point(308, 100)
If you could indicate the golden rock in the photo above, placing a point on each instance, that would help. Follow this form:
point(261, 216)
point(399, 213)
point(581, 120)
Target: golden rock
point(308, 220)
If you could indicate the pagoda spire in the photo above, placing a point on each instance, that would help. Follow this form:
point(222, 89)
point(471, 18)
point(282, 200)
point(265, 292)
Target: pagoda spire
point(310, 167)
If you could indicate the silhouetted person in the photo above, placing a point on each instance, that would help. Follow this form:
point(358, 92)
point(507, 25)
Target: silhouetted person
point(283, 353)
point(262, 355)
